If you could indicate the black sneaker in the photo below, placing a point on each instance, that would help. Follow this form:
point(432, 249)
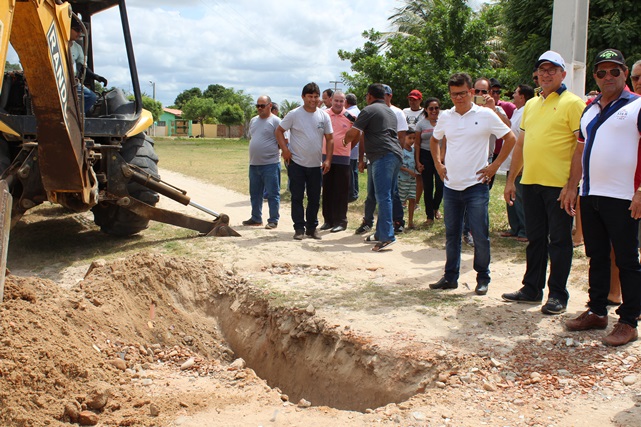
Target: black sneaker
point(326, 226)
point(251, 222)
point(299, 234)
point(271, 225)
point(444, 284)
point(313, 234)
point(520, 296)
point(553, 306)
point(364, 228)
point(398, 227)
point(481, 288)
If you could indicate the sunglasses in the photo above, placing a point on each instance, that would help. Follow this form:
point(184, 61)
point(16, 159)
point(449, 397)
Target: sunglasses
point(433, 108)
point(496, 92)
point(479, 91)
point(261, 105)
point(614, 72)
point(634, 78)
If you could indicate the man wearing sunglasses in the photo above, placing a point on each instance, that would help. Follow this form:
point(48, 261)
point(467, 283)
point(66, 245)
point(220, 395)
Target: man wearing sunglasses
point(610, 198)
point(544, 149)
point(264, 164)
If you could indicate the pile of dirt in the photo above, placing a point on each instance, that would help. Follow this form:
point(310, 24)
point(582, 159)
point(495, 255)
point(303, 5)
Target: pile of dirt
point(91, 347)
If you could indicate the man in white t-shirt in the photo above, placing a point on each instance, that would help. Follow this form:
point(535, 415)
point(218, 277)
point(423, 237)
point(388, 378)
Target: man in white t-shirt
point(307, 125)
point(515, 212)
point(466, 175)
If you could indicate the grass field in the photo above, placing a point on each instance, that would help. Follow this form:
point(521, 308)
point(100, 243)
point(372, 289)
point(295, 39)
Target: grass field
point(224, 162)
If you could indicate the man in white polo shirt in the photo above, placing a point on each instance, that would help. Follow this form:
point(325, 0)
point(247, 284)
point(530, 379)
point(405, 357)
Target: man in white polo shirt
point(466, 175)
point(610, 198)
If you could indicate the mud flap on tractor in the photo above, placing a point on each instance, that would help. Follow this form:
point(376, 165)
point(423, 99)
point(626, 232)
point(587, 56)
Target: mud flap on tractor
point(6, 202)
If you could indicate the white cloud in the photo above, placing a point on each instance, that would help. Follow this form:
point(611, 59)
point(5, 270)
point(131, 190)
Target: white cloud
point(264, 47)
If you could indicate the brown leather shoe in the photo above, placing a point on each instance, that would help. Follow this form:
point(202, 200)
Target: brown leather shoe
point(621, 334)
point(587, 320)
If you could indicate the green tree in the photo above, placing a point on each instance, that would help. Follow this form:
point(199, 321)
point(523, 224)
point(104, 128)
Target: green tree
point(186, 95)
point(529, 29)
point(287, 106)
point(8, 66)
point(229, 115)
point(149, 104)
point(199, 110)
point(155, 107)
point(432, 40)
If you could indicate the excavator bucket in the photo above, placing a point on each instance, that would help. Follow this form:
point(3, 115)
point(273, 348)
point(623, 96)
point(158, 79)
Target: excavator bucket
point(6, 202)
point(222, 228)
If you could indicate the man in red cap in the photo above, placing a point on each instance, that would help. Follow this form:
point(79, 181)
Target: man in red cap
point(413, 112)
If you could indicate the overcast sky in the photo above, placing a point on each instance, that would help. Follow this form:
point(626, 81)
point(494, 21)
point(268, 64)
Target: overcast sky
point(262, 47)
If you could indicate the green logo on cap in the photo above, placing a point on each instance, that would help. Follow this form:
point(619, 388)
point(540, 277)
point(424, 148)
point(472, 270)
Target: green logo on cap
point(608, 54)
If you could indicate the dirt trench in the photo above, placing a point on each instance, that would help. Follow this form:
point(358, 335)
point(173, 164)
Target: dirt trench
point(58, 345)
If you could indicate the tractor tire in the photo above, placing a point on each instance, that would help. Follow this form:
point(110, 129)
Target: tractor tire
point(113, 219)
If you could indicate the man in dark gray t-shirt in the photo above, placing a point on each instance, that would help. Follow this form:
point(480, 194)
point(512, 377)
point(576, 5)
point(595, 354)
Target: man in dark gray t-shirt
point(378, 124)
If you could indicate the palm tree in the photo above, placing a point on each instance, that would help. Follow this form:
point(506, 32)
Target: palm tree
point(287, 106)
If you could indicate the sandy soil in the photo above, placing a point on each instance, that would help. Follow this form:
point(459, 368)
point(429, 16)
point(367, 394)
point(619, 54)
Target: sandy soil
point(155, 340)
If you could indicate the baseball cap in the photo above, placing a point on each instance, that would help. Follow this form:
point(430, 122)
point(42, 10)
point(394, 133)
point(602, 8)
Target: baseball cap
point(416, 94)
point(610, 55)
point(495, 83)
point(388, 90)
point(75, 25)
point(552, 57)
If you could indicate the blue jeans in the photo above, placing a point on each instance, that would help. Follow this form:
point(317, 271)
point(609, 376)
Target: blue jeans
point(264, 179)
point(370, 203)
point(90, 98)
point(385, 182)
point(301, 180)
point(474, 201)
point(352, 195)
point(607, 221)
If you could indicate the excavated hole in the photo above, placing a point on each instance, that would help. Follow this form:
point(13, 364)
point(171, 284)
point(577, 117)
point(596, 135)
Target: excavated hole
point(291, 349)
point(296, 352)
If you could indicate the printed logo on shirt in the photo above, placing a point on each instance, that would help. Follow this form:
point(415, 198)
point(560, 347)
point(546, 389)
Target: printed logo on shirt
point(320, 126)
point(622, 114)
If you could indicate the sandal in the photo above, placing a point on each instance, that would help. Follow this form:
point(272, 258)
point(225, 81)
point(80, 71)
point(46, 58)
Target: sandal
point(383, 245)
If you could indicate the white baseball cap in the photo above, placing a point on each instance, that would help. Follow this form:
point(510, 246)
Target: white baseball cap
point(552, 57)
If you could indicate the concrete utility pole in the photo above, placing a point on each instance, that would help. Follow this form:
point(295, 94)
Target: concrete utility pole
point(153, 89)
point(336, 83)
point(570, 39)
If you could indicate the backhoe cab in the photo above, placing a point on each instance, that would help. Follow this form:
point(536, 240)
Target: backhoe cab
point(51, 151)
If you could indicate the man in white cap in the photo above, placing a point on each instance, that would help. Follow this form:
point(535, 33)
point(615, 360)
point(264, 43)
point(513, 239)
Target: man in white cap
point(548, 140)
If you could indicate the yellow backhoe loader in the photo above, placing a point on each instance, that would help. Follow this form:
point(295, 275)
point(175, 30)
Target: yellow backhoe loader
point(51, 150)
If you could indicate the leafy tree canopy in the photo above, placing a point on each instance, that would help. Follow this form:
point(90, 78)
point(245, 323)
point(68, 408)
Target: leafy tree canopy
point(611, 25)
point(432, 40)
point(186, 95)
point(200, 110)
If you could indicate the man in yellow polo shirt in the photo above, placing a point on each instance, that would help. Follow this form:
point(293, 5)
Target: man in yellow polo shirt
point(548, 140)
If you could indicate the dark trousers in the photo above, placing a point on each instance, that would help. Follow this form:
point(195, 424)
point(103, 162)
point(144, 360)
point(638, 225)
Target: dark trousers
point(515, 213)
point(607, 221)
point(301, 180)
point(432, 184)
point(353, 181)
point(336, 194)
point(549, 232)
